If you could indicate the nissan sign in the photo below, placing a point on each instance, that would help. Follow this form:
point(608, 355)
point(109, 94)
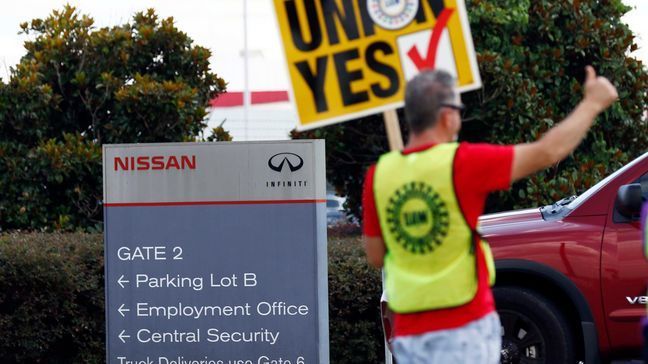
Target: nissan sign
point(216, 253)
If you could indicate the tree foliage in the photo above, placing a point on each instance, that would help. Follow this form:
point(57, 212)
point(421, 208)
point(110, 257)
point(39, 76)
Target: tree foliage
point(531, 56)
point(78, 87)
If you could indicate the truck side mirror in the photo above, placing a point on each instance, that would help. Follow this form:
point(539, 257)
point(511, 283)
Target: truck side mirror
point(629, 200)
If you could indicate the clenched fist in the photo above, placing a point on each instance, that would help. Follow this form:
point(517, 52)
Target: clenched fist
point(599, 91)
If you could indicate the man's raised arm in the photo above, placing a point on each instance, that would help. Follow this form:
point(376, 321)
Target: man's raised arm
point(563, 138)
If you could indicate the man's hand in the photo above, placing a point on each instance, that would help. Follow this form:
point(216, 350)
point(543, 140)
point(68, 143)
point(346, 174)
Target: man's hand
point(598, 90)
point(562, 139)
point(375, 249)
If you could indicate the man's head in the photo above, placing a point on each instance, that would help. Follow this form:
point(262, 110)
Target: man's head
point(431, 103)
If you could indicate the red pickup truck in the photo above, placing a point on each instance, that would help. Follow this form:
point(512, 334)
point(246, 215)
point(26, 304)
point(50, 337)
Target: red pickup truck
point(571, 277)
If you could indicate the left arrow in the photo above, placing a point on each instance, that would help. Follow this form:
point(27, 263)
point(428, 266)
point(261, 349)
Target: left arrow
point(121, 310)
point(121, 281)
point(122, 336)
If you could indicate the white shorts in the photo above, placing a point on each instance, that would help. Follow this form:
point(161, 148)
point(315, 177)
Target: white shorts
point(478, 342)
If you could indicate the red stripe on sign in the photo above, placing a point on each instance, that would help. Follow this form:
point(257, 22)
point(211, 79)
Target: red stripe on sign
point(233, 99)
point(435, 37)
point(265, 97)
point(199, 203)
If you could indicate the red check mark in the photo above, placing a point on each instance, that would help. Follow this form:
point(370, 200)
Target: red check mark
point(430, 58)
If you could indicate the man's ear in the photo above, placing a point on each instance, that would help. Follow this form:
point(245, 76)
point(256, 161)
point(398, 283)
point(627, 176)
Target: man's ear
point(445, 119)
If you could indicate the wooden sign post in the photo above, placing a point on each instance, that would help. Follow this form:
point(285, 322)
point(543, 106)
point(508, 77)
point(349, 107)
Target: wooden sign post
point(393, 130)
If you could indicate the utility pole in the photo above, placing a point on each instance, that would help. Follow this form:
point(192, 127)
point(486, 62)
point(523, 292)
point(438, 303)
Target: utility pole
point(247, 99)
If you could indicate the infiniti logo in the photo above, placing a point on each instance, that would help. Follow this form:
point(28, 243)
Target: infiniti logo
point(284, 181)
point(292, 160)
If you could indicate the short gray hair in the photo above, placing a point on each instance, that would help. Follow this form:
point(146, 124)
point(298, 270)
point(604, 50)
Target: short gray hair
point(424, 96)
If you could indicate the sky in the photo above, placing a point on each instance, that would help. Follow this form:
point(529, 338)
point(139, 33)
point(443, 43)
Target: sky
point(215, 24)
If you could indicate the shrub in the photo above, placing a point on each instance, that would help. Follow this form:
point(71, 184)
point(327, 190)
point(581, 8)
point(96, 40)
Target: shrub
point(51, 298)
point(354, 304)
point(344, 230)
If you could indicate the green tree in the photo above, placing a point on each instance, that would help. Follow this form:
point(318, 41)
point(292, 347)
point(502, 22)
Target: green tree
point(531, 55)
point(78, 87)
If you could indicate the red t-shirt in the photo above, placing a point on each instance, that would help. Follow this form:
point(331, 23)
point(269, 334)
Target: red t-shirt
point(478, 170)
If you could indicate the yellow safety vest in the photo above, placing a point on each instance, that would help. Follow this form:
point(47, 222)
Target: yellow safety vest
point(430, 261)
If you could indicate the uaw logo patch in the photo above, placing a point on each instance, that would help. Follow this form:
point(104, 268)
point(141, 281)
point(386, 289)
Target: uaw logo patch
point(392, 14)
point(417, 218)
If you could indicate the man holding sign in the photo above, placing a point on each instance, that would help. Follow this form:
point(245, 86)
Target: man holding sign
point(420, 210)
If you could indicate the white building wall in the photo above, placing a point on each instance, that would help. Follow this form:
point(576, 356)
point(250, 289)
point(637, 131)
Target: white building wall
point(272, 121)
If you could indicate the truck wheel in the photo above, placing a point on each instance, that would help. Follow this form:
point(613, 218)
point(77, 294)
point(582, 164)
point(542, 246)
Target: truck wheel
point(533, 329)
